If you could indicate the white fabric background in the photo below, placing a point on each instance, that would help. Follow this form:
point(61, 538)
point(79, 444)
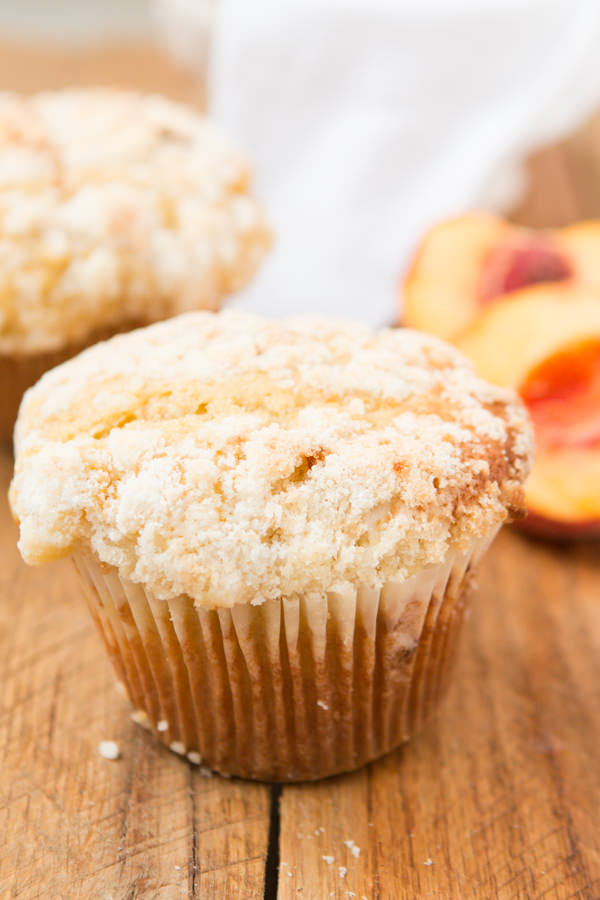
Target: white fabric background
point(367, 120)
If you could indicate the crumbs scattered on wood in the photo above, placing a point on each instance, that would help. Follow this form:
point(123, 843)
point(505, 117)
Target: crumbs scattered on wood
point(109, 750)
point(353, 848)
point(194, 757)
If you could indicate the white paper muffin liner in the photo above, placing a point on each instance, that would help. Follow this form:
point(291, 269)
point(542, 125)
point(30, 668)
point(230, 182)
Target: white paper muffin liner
point(293, 689)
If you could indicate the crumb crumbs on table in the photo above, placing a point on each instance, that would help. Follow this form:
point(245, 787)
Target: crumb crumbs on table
point(109, 750)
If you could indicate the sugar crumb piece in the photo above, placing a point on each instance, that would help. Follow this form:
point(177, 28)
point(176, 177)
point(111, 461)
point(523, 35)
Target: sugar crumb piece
point(194, 757)
point(109, 750)
point(177, 747)
point(342, 871)
point(322, 704)
point(162, 725)
point(328, 859)
point(353, 848)
point(428, 862)
point(177, 867)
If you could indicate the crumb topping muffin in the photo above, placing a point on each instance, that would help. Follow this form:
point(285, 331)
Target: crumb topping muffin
point(234, 460)
point(115, 207)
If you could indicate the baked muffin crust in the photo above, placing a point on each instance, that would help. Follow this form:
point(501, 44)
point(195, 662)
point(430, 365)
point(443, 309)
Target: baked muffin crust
point(235, 459)
point(115, 206)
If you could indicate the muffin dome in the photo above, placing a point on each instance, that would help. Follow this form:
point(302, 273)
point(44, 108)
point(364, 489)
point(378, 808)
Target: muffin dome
point(234, 459)
point(115, 207)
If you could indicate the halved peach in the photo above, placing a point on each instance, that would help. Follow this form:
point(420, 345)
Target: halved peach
point(562, 394)
point(545, 342)
point(508, 339)
point(465, 264)
point(563, 495)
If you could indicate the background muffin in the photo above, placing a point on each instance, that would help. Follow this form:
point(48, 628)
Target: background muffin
point(116, 209)
point(277, 522)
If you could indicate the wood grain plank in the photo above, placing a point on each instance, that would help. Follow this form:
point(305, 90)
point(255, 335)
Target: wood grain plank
point(563, 181)
point(500, 796)
point(75, 826)
point(581, 159)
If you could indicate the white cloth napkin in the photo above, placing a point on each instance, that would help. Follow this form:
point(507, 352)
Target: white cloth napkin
point(186, 28)
point(368, 120)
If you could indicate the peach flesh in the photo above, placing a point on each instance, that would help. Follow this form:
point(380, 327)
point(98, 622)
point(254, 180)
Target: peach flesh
point(509, 267)
point(562, 395)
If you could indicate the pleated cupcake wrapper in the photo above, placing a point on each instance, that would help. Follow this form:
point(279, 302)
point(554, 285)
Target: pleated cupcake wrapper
point(292, 689)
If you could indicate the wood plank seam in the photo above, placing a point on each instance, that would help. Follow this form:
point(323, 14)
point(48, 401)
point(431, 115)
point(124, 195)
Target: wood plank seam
point(273, 849)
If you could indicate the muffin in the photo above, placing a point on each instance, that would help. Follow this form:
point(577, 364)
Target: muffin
point(116, 209)
point(277, 523)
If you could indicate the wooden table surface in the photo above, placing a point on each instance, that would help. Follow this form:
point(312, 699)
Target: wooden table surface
point(499, 797)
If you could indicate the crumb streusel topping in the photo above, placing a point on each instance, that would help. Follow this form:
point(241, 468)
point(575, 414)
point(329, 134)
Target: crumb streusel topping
point(236, 459)
point(115, 206)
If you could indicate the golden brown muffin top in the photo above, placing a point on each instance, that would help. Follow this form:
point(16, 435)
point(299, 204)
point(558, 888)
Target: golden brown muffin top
point(236, 459)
